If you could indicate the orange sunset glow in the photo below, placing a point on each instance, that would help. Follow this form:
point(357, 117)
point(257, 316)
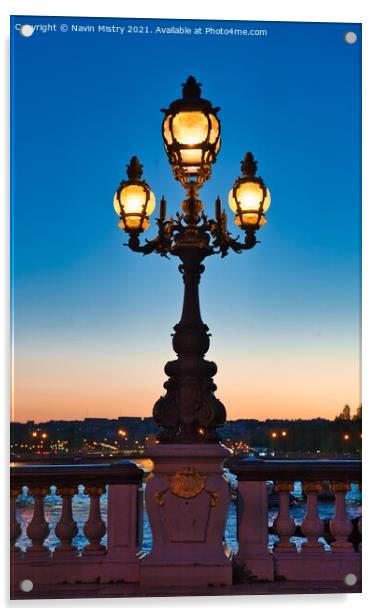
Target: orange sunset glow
point(280, 386)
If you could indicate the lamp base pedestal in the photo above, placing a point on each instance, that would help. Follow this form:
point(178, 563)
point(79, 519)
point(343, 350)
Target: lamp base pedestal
point(187, 500)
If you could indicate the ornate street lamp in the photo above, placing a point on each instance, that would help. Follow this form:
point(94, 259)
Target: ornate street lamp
point(134, 201)
point(189, 411)
point(191, 133)
point(249, 197)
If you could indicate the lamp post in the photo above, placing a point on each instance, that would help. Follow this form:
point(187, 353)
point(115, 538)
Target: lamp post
point(273, 440)
point(284, 442)
point(189, 412)
point(187, 497)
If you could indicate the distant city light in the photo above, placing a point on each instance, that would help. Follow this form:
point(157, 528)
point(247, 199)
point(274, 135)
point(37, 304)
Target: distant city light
point(135, 440)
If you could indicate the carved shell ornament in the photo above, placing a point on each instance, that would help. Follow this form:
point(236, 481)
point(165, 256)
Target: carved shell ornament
point(187, 482)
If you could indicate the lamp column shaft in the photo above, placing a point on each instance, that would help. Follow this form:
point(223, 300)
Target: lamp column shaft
point(191, 312)
point(191, 337)
point(189, 411)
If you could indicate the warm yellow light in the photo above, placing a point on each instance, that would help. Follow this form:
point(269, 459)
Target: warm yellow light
point(250, 219)
point(190, 127)
point(193, 157)
point(133, 199)
point(34, 434)
point(44, 435)
point(284, 433)
point(267, 200)
point(133, 222)
point(346, 437)
point(274, 434)
point(167, 130)
point(249, 195)
point(215, 129)
point(201, 431)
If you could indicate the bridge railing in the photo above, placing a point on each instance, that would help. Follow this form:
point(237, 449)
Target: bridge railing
point(312, 561)
point(118, 561)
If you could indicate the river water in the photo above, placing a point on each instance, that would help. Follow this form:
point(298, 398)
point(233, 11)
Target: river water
point(80, 506)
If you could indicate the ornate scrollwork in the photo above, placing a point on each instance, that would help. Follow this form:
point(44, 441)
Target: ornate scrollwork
point(189, 409)
point(195, 230)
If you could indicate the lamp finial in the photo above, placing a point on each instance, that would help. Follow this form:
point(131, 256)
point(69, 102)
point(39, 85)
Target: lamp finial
point(134, 169)
point(191, 88)
point(249, 166)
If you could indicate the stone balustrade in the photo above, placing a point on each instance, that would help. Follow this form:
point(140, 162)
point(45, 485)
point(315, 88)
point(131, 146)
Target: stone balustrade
point(119, 558)
point(314, 560)
point(118, 561)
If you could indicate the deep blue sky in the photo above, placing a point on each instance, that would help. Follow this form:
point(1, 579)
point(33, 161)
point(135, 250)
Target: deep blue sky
point(95, 319)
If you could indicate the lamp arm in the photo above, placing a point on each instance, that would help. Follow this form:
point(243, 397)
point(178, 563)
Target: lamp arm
point(223, 241)
point(161, 243)
point(249, 242)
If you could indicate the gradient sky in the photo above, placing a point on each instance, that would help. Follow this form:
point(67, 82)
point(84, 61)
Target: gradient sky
point(92, 320)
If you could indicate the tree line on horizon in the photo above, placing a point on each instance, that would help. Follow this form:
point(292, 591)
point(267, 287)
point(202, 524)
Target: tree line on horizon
point(318, 435)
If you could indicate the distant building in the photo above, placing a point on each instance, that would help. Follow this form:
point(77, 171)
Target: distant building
point(99, 421)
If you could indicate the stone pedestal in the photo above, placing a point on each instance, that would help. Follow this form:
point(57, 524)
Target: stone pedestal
point(187, 500)
point(253, 529)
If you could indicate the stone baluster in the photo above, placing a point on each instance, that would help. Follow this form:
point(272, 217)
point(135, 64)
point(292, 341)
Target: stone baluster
point(341, 526)
point(95, 527)
point(38, 529)
point(284, 525)
point(15, 528)
point(312, 526)
point(66, 529)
